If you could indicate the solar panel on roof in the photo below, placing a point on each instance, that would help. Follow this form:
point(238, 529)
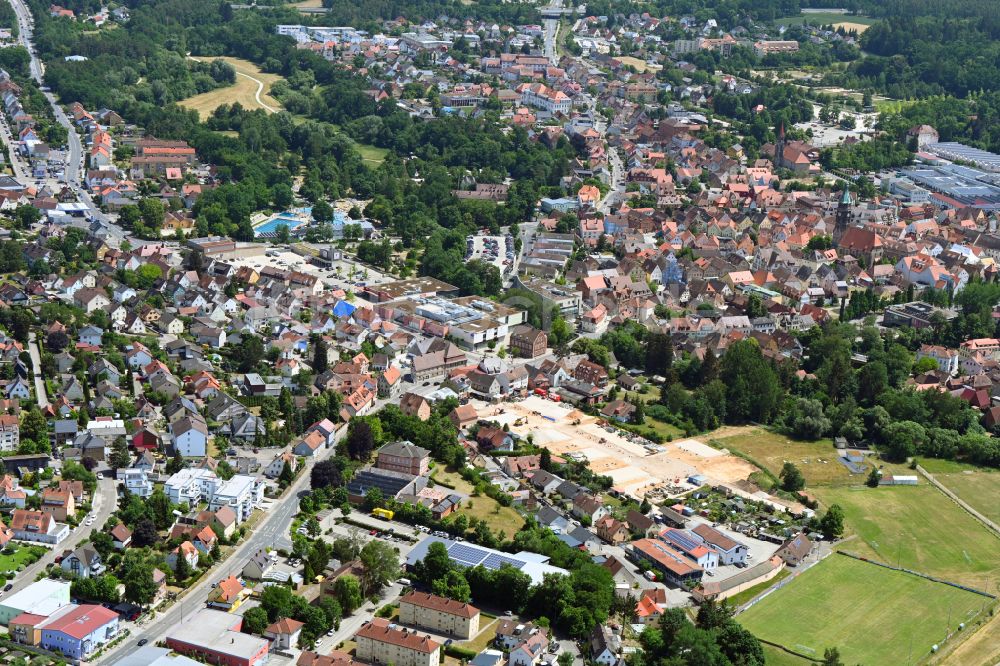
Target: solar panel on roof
point(465, 555)
point(682, 540)
point(495, 561)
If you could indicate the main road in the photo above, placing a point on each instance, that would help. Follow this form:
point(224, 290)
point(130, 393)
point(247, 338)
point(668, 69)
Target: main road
point(73, 170)
point(270, 533)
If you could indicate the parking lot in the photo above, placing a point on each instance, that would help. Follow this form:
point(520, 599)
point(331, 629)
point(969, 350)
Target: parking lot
point(496, 250)
point(342, 274)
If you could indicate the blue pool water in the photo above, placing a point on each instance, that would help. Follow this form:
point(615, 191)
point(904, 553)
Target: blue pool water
point(293, 219)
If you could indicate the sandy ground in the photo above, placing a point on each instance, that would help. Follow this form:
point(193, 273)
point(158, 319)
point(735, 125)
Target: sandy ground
point(635, 470)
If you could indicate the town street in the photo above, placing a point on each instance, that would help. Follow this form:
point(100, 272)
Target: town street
point(36, 371)
point(103, 505)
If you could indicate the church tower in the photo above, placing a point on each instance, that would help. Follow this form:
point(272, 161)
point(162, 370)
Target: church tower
point(779, 148)
point(843, 218)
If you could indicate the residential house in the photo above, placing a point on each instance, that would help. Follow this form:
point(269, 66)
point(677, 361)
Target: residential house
point(439, 614)
point(84, 562)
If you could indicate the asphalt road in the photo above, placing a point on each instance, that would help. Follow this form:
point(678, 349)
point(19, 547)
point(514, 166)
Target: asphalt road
point(36, 370)
point(73, 171)
point(271, 532)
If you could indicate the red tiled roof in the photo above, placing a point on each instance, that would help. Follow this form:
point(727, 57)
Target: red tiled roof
point(82, 620)
point(379, 630)
point(440, 604)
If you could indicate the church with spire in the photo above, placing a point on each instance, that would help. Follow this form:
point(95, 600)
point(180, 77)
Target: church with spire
point(842, 219)
point(798, 157)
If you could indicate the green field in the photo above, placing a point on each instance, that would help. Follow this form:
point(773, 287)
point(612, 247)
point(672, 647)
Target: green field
point(372, 154)
point(871, 614)
point(824, 18)
point(920, 529)
point(816, 460)
point(776, 657)
point(504, 519)
point(979, 487)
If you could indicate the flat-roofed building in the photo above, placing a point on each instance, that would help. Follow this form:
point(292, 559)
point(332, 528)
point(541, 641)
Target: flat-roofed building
point(214, 637)
point(439, 614)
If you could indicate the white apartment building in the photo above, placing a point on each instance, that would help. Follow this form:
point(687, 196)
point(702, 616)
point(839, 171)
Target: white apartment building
point(137, 481)
point(191, 485)
point(241, 493)
point(10, 432)
point(542, 97)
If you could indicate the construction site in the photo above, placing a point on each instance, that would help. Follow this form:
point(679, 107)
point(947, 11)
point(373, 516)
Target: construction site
point(638, 468)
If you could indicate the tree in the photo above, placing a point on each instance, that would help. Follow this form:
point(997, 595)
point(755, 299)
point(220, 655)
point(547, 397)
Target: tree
point(137, 573)
point(347, 590)
point(565, 659)
point(374, 499)
point(808, 420)
point(145, 534)
point(545, 459)
point(182, 568)
point(322, 211)
point(831, 657)
point(874, 477)
point(249, 353)
point(160, 509)
point(381, 566)
point(327, 473)
point(453, 586)
point(276, 600)
point(791, 478)
point(119, 458)
point(832, 523)
point(753, 392)
point(360, 440)
point(320, 357)
point(435, 565)
point(287, 475)
point(255, 621)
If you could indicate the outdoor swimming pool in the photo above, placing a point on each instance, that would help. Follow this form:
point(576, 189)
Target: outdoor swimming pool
point(293, 219)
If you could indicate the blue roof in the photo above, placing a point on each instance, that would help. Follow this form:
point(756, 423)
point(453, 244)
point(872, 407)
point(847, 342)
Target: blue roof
point(343, 309)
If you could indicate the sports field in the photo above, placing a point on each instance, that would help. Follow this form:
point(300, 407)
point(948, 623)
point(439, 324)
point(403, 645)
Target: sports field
point(871, 614)
point(920, 529)
point(816, 460)
point(250, 90)
point(825, 18)
point(979, 487)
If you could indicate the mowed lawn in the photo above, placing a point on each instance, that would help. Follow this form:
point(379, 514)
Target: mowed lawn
point(244, 90)
point(825, 18)
point(871, 614)
point(920, 529)
point(487, 509)
point(816, 460)
point(980, 488)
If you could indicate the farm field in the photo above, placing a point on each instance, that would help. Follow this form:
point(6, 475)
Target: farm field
point(816, 460)
point(920, 529)
point(484, 508)
point(880, 615)
point(250, 90)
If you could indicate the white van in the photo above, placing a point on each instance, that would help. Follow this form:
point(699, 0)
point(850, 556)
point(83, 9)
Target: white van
point(405, 582)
